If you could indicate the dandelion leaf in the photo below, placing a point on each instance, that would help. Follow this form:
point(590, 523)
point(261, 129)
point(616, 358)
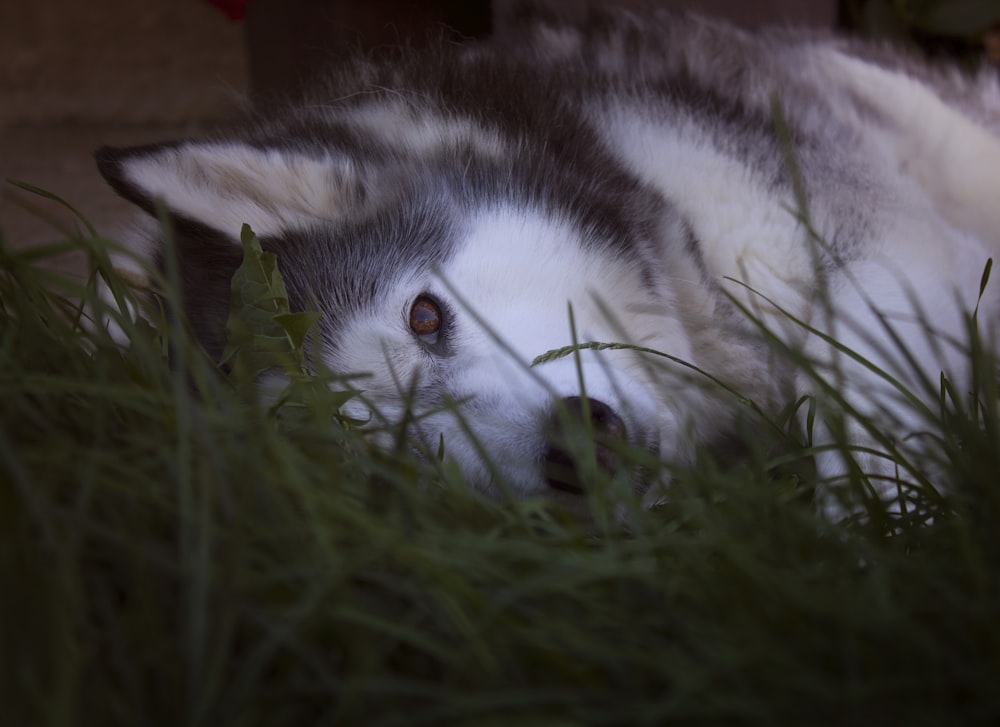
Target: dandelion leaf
point(262, 332)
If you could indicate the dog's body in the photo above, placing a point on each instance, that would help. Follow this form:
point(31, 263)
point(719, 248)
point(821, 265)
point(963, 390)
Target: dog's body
point(656, 172)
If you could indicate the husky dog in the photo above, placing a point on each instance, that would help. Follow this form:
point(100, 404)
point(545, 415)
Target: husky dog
point(678, 184)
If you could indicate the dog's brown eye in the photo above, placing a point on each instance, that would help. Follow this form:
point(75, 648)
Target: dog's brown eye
point(426, 317)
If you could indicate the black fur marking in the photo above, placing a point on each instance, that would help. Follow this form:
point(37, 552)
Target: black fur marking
point(208, 260)
point(111, 162)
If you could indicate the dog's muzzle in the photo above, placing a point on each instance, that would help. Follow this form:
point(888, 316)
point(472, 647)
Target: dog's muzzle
point(577, 417)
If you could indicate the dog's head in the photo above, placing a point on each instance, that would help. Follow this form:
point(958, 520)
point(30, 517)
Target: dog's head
point(443, 276)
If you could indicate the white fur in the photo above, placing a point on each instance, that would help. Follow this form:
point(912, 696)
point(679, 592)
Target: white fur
point(510, 282)
point(954, 159)
point(226, 185)
point(745, 232)
point(407, 126)
point(937, 224)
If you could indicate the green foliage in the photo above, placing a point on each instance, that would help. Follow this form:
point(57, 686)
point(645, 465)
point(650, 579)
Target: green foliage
point(262, 331)
point(176, 550)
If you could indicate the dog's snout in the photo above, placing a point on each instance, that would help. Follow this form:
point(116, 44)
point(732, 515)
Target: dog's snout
point(603, 418)
point(575, 416)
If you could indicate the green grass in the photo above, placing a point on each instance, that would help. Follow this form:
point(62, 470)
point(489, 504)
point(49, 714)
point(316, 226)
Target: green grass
point(175, 551)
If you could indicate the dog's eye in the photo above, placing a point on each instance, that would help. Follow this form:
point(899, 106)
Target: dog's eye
point(426, 318)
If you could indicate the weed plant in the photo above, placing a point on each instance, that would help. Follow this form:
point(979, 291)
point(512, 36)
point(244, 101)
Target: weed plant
point(175, 549)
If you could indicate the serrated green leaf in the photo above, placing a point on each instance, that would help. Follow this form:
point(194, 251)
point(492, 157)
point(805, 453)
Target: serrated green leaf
point(297, 326)
point(262, 333)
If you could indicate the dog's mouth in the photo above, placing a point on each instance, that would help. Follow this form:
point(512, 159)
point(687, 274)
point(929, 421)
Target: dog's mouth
point(582, 437)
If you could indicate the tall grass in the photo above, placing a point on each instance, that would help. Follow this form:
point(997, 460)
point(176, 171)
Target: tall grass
point(174, 550)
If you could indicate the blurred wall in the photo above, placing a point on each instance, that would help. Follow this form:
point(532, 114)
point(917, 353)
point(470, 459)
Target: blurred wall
point(117, 60)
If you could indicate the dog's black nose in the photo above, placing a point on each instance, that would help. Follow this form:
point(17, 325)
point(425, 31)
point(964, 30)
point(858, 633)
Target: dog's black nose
point(571, 420)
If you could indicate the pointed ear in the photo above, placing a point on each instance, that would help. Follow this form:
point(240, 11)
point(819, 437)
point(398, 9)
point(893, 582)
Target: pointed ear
point(223, 184)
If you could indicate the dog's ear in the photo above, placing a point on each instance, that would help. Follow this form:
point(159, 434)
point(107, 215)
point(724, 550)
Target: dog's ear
point(224, 184)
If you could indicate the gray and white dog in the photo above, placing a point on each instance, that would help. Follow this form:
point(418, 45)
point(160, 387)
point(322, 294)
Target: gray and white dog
point(678, 182)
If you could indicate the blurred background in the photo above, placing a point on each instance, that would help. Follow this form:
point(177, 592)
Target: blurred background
point(77, 75)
